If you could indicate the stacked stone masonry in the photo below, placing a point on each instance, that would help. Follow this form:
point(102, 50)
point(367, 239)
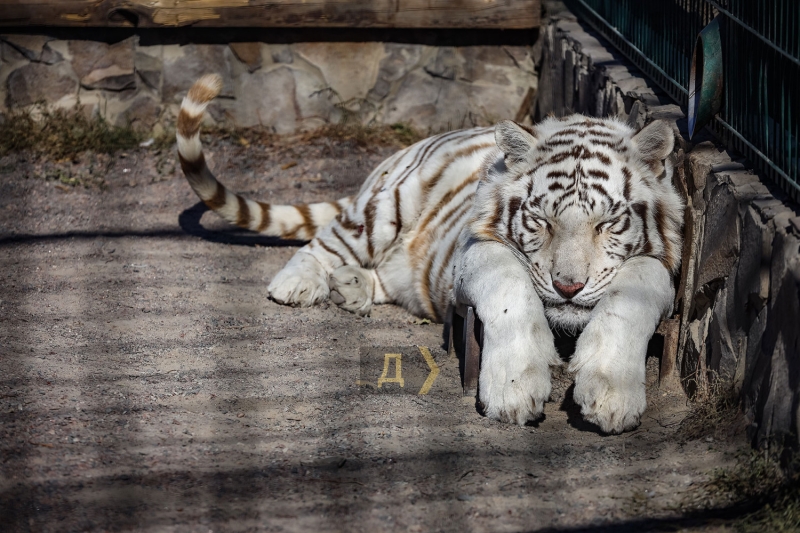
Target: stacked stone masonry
point(284, 87)
point(738, 297)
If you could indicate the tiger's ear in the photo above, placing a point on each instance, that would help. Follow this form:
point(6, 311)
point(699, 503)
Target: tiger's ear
point(514, 140)
point(655, 142)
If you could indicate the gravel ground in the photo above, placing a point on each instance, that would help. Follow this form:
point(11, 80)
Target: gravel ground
point(148, 384)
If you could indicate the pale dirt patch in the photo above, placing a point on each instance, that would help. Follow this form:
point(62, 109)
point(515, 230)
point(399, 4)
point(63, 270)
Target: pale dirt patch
point(147, 383)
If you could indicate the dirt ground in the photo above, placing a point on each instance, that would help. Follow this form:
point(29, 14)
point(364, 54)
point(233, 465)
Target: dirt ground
point(147, 382)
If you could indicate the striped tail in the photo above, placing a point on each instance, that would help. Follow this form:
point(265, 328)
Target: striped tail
point(285, 221)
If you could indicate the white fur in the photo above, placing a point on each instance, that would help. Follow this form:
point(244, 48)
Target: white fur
point(191, 148)
point(254, 209)
point(283, 217)
point(194, 109)
point(230, 209)
point(322, 213)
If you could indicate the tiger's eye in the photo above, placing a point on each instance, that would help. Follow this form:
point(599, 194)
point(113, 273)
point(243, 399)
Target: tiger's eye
point(603, 226)
point(545, 224)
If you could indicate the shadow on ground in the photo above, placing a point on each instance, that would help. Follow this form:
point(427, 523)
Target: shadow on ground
point(147, 382)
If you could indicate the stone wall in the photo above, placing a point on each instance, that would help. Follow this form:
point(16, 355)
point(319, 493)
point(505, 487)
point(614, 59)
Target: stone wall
point(738, 297)
point(285, 87)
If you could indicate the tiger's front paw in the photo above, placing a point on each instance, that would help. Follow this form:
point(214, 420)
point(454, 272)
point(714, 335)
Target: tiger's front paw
point(351, 288)
point(300, 283)
point(514, 397)
point(514, 382)
point(609, 366)
point(610, 401)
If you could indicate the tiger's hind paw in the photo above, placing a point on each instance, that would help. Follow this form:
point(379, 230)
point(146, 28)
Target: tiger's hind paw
point(352, 289)
point(300, 283)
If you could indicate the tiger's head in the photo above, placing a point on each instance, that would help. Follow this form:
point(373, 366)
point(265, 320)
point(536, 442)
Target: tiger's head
point(575, 198)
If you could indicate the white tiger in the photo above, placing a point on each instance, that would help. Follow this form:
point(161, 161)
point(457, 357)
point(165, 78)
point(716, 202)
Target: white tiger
point(574, 224)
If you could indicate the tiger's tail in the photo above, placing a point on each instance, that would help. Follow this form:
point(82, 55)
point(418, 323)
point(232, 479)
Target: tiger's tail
point(284, 221)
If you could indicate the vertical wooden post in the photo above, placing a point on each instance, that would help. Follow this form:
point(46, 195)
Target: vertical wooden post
point(669, 329)
point(472, 353)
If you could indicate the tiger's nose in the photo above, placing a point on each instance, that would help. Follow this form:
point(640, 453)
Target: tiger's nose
point(567, 291)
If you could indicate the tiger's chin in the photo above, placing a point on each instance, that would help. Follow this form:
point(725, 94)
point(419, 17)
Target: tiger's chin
point(567, 316)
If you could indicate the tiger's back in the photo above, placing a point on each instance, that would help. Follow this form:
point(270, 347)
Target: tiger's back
point(405, 221)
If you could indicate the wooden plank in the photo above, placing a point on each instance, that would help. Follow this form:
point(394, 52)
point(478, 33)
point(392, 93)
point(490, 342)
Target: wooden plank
point(497, 14)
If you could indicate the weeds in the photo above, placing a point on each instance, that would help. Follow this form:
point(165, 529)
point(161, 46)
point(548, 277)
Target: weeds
point(164, 140)
point(758, 485)
point(766, 497)
point(782, 515)
point(405, 134)
point(62, 133)
point(754, 476)
point(88, 172)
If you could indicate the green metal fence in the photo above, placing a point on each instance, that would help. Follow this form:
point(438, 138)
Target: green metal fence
point(760, 114)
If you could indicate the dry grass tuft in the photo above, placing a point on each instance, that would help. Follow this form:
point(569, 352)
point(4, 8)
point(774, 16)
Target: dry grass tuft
point(60, 137)
point(399, 134)
point(714, 411)
point(62, 133)
point(65, 133)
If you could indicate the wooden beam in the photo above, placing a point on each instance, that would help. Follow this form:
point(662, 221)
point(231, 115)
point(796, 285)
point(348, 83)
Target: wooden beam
point(495, 14)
